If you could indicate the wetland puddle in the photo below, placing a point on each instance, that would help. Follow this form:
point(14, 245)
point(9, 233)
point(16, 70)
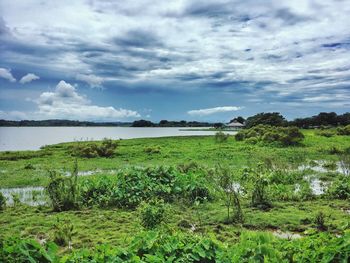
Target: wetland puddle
point(32, 195)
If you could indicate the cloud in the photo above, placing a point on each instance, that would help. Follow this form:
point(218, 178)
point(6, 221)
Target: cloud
point(270, 50)
point(209, 111)
point(28, 78)
point(92, 80)
point(65, 102)
point(6, 74)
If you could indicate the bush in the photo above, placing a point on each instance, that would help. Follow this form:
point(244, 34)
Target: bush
point(340, 188)
point(63, 190)
point(152, 214)
point(252, 140)
point(284, 136)
point(2, 202)
point(221, 137)
point(344, 130)
point(91, 150)
point(107, 148)
point(326, 133)
point(320, 221)
point(239, 136)
point(152, 149)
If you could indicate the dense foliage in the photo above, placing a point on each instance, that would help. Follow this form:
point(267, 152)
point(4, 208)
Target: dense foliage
point(127, 189)
point(269, 118)
point(323, 119)
point(160, 246)
point(285, 136)
point(106, 148)
point(152, 213)
point(63, 190)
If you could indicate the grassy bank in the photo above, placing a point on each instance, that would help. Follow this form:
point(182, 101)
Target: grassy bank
point(30, 167)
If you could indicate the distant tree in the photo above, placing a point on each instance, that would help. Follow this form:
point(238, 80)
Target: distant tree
point(218, 125)
point(326, 119)
point(268, 118)
point(344, 119)
point(142, 123)
point(239, 119)
point(164, 123)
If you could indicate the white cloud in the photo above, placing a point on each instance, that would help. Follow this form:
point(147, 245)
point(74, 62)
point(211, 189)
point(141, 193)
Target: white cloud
point(209, 111)
point(6, 74)
point(29, 78)
point(92, 80)
point(65, 102)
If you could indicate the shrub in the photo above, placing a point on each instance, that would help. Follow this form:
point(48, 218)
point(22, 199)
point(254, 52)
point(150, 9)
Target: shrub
point(344, 130)
point(152, 214)
point(259, 179)
point(2, 202)
point(340, 188)
point(91, 150)
point(284, 136)
point(252, 140)
point(239, 136)
point(221, 137)
point(63, 190)
point(86, 151)
point(152, 149)
point(193, 187)
point(326, 133)
point(16, 199)
point(320, 221)
point(107, 148)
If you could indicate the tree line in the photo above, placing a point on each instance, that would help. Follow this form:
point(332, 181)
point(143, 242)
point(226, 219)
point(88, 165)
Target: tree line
point(331, 119)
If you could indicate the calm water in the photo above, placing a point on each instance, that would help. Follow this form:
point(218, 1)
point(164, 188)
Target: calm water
point(32, 138)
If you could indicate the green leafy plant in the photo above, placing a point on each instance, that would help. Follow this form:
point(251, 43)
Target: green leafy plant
point(16, 250)
point(63, 190)
point(16, 199)
point(63, 232)
point(230, 190)
point(152, 213)
point(320, 221)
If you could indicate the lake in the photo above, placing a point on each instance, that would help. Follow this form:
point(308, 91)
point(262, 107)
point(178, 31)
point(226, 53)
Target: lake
point(32, 138)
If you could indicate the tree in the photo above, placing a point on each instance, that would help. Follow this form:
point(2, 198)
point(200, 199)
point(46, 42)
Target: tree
point(142, 123)
point(218, 125)
point(269, 118)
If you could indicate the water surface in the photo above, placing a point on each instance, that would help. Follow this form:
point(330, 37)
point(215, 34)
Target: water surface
point(32, 138)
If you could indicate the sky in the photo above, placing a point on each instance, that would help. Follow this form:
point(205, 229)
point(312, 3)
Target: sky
point(207, 60)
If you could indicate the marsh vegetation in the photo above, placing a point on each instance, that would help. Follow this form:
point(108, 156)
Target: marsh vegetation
point(283, 198)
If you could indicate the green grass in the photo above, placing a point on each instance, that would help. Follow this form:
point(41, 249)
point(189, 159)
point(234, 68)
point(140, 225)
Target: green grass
point(173, 151)
point(117, 227)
